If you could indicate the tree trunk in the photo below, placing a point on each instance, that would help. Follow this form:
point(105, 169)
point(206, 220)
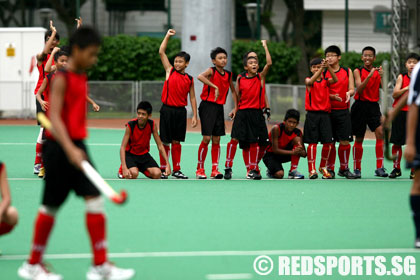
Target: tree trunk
point(266, 20)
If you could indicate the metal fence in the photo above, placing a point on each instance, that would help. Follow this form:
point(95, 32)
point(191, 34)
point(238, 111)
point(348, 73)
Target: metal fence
point(119, 99)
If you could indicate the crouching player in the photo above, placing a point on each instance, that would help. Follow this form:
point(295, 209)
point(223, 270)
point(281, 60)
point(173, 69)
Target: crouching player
point(286, 145)
point(135, 147)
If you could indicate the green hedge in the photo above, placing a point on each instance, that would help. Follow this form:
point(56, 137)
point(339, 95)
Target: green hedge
point(125, 58)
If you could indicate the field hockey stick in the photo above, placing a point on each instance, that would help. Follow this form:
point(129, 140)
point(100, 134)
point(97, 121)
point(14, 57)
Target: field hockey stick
point(385, 80)
point(89, 171)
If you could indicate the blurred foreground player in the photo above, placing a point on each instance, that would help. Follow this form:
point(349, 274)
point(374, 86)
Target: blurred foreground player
point(8, 213)
point(66, 152)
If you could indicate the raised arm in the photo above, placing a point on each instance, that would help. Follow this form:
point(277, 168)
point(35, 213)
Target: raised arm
point(48, 66)
point(204, 78)
point(310, 81)
point(161, 149)
point(398, 91)
point(162, 51)
point(193, 105)
point(125, 170)
point(268, 60)
point(40, 57)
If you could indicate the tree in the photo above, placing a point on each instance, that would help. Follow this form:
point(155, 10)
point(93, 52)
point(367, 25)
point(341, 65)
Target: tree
point(8, 11)
point(266, 15)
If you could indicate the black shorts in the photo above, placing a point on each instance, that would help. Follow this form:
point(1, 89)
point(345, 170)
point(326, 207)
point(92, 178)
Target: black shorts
point(398, 130)
point(274, 161)
point(61, 176)
point(341, 125)
point(142, 162)
point(212, 119)
point(365, 113)
point(317, 128)
point(249, 127)
point(39, 108)
point(173, 124)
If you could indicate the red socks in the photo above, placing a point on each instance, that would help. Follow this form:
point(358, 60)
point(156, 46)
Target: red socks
point(379, 153)
point(344, 155)
point(96, 227)
point(261, 153)
point(253, 156)
point(332, 158)
point(245, 154)
point(357, 155)
point(38, 155)
point(215, 155)
point(325, 154)
point(311, 157)
point(397, 150)
point(162, 160)
point(202, 154)
point(176, 156)
point(43, 226)
point(5, 228)
point(230, 152)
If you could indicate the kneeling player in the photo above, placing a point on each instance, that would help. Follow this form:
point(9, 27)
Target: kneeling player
point(8, 214)
point(135, 147)
point(286, 145)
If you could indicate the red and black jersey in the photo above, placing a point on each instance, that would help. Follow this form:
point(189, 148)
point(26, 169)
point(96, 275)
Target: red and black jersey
point(42, 74)
point(318, 97)
point(371, 91)
point(285, 140)
point(176, 88)
point(222, 81)
point(139, 142)
point(251, 91)
point(405, 83)
point(46, 92)
point(74, 109)
point(340, 88)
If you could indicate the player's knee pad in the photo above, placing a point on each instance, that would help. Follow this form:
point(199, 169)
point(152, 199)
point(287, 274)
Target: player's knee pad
point(48, 210)
point(95, 205)
point(40, 139)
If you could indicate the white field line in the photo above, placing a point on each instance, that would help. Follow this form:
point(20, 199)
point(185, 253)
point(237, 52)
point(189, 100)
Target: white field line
point(233, 276)
point(136, 255)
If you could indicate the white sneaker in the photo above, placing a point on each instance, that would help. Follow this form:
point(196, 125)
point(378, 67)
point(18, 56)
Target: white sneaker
point(37, 167)
point(109, 271)
point(37, 272)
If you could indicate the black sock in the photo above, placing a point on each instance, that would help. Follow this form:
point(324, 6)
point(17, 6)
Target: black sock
point(415, 207)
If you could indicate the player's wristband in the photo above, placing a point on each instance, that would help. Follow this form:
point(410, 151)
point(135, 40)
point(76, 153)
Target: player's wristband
point(267, 111)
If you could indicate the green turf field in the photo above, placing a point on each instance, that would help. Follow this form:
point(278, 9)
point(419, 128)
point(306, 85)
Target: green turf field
point(190, 229)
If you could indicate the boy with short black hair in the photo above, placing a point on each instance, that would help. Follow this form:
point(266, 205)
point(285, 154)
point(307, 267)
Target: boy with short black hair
point(135, 146)
point(52, 39)
point(249, 126)
point(217, 82)
point(412, 150)
point(8, 213)
point(398, 132)
point(366, 111)
point(285, 145)
point(173, 115)
point(317, 126)
point(66, 151)
point(340, 94)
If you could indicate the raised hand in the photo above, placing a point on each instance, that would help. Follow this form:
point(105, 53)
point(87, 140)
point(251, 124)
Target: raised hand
point(79, 22)
point(171, 32)
point(52, 26)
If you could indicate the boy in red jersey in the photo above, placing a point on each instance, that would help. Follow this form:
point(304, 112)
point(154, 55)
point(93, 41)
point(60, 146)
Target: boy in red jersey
point(52, 39)
point(135, 146)
point(317, 126)
point(8, 213)
point(249, 126)
point(173, 115)
point(217, 82)
point(340, 94)
point(366, 111)
point(67, 113)
point(285, 145)
point(398, 131)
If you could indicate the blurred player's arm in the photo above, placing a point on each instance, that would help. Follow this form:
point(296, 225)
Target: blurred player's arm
point(398, 91)
point(393, 112)
point(161, 149)
point(204, 78)
point(40, 57)
point(232, 113)
point(48, 66)
point(44, 104)
point(268, 64)
point(412, 120)
point(193, 105)
point(6, 199)
point(162, 52)
point(95, 106)
point(74, 154)
point(126, 138)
